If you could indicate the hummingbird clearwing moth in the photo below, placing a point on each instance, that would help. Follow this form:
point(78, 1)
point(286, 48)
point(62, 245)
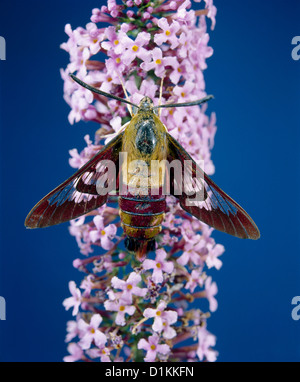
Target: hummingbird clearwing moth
point(146, 144)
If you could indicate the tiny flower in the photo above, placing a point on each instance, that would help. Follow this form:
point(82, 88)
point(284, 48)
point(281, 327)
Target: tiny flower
point(195, 280)
point(130, 49)
point(87, 285)
point(76, 353)
point(104, 234)
point(184, 92)
point(162, 318)
point(102, 352)
point(211, 290)
point(212, 11)
point(72, 329)
point(90, 332)
point(129, 287)
point(170, 221)
point(152, 347)
point(113, 40)
point(205, 343)
point(121, 308)
point(192, 252)
point(73, 301)
point(159, 265)
point(214, 251)
point(159, 63)
point(168, 33)
point(90, 38)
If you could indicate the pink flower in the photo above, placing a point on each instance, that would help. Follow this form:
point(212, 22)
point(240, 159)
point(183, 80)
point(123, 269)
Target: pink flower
point(214, 251)
point(192, 252)
point(121, 308)
point(185, 91)
point(90, 332)
point(147, 88)
point(211, 290)
point(205, 343)
point(168, 33)
point(195, 280)
point(159, 265)
point(76, 353)
point(104, 234)
point(170, 220)
point(152, 347)
point(81, 233)
point(212, 11)
point(162, 319)
point(87, 284)
point(159, 63)
point(113, 40)
point(73, 301)
point(129, 287)
point(72, 330)
point(91, 37)
point(130, 49)
point(102, 352)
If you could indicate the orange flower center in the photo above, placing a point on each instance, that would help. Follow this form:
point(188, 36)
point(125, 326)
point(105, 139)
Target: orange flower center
point(135, 48)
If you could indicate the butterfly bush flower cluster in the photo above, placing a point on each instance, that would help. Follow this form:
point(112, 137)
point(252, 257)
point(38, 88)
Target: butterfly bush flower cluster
point(157, 309)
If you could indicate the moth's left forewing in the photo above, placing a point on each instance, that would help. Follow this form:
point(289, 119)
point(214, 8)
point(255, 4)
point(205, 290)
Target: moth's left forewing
point(203, 199)
point(83, 192)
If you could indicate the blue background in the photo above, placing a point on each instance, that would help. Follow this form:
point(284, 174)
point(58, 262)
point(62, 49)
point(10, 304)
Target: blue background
point(255, 82)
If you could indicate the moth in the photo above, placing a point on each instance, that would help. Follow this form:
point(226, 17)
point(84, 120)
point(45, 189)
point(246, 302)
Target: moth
point(143, 163)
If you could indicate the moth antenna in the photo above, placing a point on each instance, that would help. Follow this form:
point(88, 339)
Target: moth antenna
point(126, 95)
point(160, 92)
point(97, 91)
point(192, 103)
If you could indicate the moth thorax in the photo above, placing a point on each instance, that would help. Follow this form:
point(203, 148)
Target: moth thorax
point(146, 139)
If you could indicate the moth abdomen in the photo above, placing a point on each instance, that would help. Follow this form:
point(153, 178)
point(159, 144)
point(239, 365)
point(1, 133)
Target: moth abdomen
point(141, 218)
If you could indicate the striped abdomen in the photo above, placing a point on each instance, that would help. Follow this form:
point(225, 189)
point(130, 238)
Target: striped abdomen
point(141, 217)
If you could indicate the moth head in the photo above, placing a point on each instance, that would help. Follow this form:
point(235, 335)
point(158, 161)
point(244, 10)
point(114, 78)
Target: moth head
point(146, 104)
